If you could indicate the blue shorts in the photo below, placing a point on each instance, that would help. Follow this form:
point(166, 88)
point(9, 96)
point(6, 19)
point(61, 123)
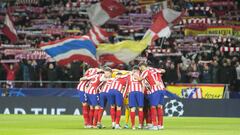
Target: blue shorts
point(136, 99)
point(83, 97)
point(115, 97)
point(157, 98)
point(93, 99)
point(103, 99)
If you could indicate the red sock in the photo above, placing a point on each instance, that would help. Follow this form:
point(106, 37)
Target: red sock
point(118, 116)
point(113, 114)
point(154, 113)
point(140, 116)
point(132, 116)
point(100, 113)
point(85, 114)
point(91, 114)
point(160, 116)
point(149, 118)
point(95, 117)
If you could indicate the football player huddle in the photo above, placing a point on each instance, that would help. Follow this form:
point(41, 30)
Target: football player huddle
point(141, 89)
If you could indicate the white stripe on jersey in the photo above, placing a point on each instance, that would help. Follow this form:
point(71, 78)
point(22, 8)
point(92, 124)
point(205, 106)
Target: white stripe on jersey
point(116, 85)
point(135, 85)
point(106, 86)
point(82, 85)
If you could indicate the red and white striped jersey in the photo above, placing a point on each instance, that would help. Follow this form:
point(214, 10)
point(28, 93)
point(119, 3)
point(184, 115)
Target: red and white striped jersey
point(106, 86)
point(153, 75)
point(134, 84)
point(82, 85)
point(94, 83)
point(91, 71)
point(119, 83)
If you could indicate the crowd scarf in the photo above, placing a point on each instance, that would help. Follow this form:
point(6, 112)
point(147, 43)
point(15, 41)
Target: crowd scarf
point(177, 54)
point(202, 21)
point(9, 61)
point(220, 3)
point(204, 8)
point(158, 50)
point(15, 46)
point(230, 49)
point(219, 30)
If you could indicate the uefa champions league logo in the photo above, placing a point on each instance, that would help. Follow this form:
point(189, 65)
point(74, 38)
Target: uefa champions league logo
point(174, 108)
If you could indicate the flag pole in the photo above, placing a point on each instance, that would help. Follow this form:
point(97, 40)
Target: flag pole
point(162, 41)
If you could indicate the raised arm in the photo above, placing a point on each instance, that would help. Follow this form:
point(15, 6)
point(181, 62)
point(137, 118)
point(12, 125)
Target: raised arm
point(5, 67)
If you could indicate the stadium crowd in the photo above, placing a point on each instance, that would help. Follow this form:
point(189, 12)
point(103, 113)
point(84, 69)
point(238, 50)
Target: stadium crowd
point(201, 61)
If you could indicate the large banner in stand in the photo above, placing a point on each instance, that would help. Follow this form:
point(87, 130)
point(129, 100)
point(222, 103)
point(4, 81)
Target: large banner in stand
point(208, 91)
point(72, 106)
point(220, 30)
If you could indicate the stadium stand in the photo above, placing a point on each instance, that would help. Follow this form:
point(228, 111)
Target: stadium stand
point(203, 47)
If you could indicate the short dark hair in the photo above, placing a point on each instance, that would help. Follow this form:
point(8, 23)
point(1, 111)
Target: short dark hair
point(135, 67)
point(107, 69)
point(119, 73)
point(142, 64)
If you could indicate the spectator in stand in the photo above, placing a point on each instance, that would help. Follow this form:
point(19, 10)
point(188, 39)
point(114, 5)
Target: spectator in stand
point(11, 71)
point(171, 75)
point(75, 70)
point(206, 75)
point(51, 75)
point(224, 73)
point(215, 69)
point(193, 73)
point(183, 73)
point(238, 76)
point(25, 66)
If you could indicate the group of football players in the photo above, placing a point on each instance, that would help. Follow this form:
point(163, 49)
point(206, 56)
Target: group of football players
point(140, 89)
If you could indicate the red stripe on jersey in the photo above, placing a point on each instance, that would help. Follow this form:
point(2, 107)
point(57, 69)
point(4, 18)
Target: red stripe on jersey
point(152, 76)
point(118, 84)
point(93, 84)
point(106, 86)
point(91, 72)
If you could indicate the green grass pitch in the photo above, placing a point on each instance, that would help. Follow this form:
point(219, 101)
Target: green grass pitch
point(73, 125)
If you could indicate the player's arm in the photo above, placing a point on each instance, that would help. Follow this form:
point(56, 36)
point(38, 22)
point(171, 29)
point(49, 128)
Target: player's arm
point(87, 78)
point(160, 70)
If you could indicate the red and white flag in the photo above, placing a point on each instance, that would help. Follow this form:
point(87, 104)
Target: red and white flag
point(9, 29)
point(169, 15)
point(100, 13)
point(162, 23)
point(158, 29)
point(98, 35)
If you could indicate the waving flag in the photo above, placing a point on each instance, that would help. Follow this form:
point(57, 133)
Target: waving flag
point(69, 49)
point(9, 29)
point(169, 15)
point(100, 13)
point(121, 52)
point(98, 35)
point(159, 29)
point(162, 22)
